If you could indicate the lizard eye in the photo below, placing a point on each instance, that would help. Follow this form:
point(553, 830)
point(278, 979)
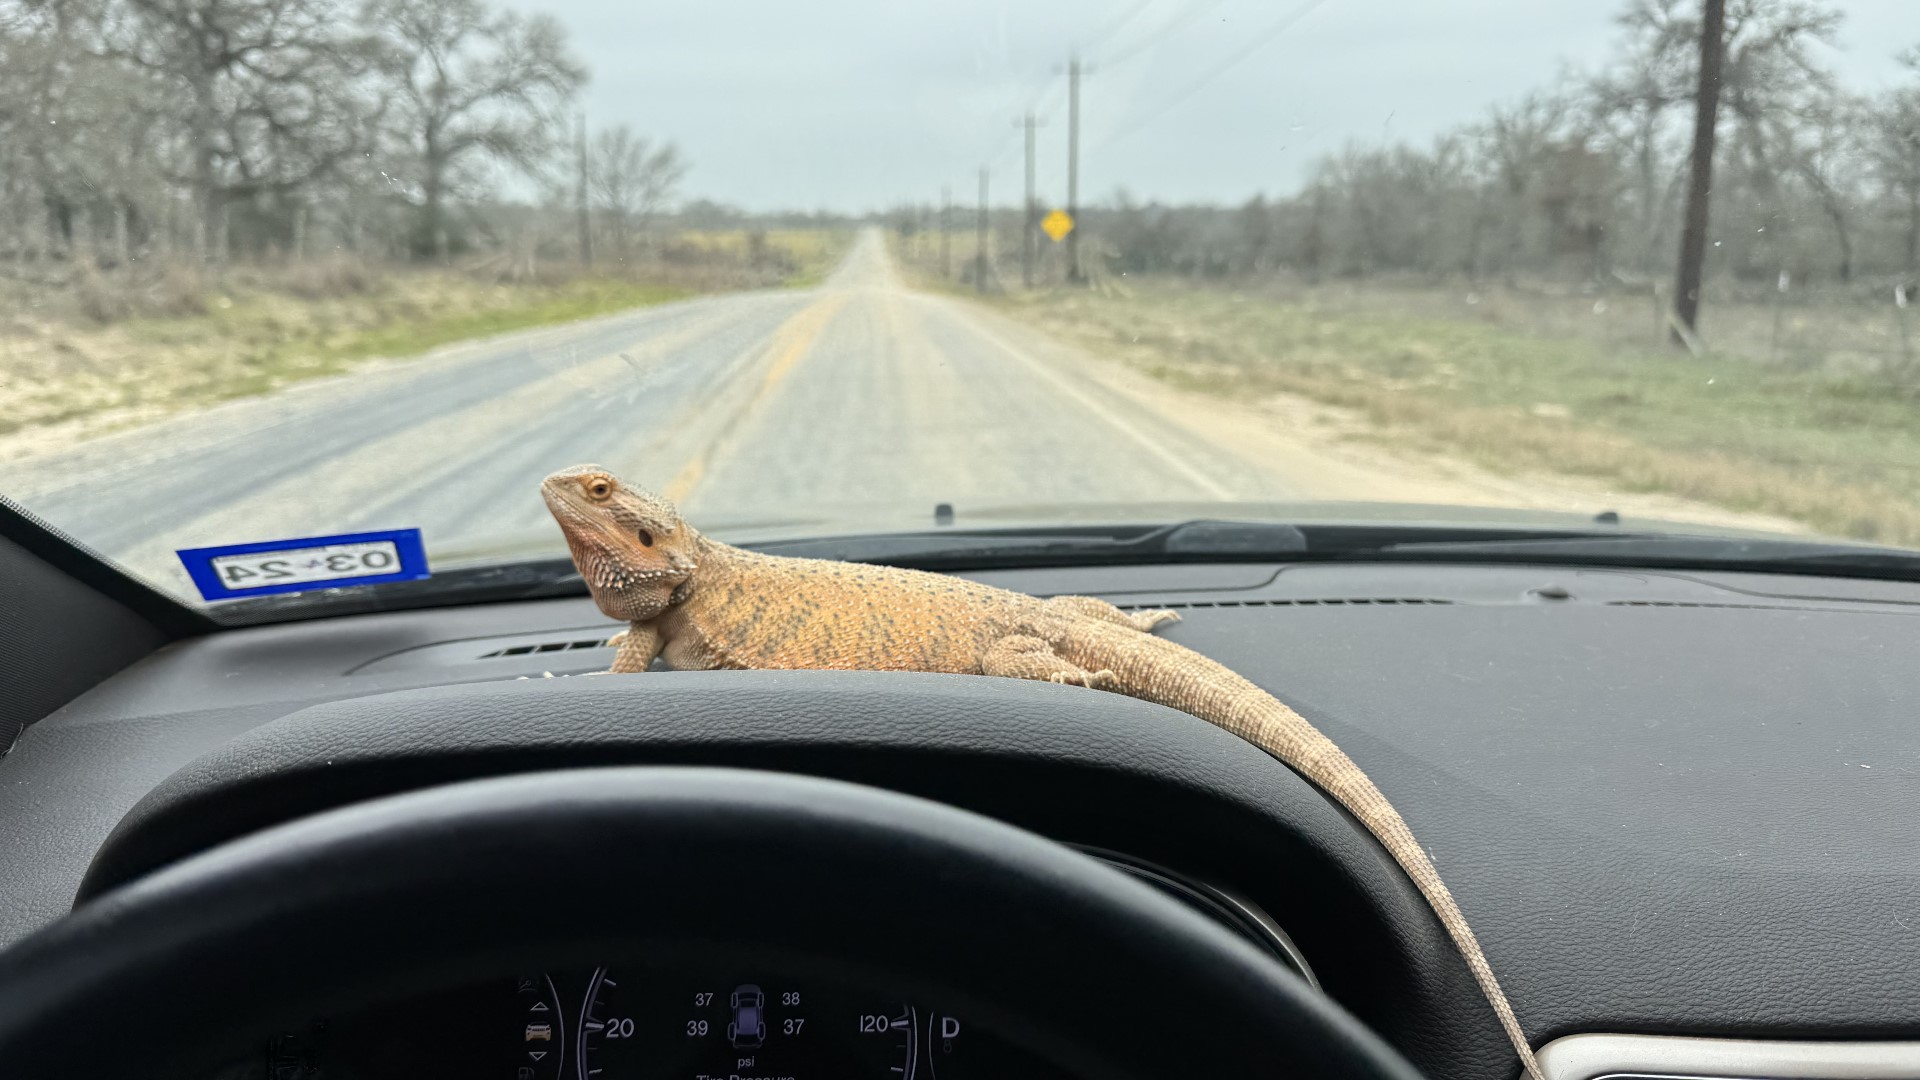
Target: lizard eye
point(646, 538)
point(599, 489)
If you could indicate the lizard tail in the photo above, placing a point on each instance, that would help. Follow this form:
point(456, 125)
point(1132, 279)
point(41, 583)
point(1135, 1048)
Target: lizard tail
point(1175, 676)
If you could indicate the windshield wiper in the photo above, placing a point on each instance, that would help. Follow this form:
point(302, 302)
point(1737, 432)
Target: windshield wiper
point(1662, 550)
point(948, 549)
point(1216, 541)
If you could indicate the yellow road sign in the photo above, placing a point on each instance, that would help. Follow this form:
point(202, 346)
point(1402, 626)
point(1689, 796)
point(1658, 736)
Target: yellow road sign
point(1057, 225)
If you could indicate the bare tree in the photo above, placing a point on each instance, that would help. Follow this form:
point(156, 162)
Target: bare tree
point(1515, 143)
point(468, 83)
point(1894, 150)
point(1586, 179)
point(1255, 236)
point(1824, 150)
point(263, 90)
point(1752, 56)
point(35, 53)
point(633, 179)
point(1632, 108)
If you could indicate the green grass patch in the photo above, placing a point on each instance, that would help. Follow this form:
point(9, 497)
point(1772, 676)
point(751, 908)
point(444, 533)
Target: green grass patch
point(578, 300)
point(1839, 452)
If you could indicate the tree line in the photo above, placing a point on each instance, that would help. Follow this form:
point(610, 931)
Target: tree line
point(210, 130)
point(1587, 179)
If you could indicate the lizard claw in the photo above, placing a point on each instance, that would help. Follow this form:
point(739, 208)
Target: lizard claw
point(1092, 680)
point(1147, 620)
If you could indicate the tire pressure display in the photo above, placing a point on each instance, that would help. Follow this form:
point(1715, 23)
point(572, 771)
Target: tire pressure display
point(733, 1027)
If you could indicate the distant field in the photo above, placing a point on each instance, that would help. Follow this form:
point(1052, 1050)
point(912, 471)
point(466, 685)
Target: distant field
point(90, 351)
point(809, 252)
point(1816, 424)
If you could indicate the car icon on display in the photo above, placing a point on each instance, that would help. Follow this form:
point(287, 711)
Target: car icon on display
point(748, 1029)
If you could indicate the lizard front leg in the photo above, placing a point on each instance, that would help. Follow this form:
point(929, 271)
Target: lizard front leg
point(1020, 656)
point(637, 645)
point(1095, 608)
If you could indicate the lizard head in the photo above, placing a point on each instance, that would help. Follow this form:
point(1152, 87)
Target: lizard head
point(629, 544)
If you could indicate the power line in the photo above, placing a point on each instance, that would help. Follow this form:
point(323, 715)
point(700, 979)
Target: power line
point(1253, 45)
point(1117, 25)
point(1041, 101)
point(1193, 10)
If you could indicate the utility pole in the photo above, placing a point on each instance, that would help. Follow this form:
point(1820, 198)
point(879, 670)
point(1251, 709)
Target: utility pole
point(586, 225)
point(946, 233)
point(1030, 227)
point(980, 239)
point(1693, 231)
point(1075, 274)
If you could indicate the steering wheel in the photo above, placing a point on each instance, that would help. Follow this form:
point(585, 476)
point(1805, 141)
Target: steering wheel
point(1082, 966)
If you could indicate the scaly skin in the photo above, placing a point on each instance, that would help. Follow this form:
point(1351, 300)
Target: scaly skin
point(704, 605)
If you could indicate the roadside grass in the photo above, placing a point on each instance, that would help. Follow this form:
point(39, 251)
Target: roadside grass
point(1835, 449)
point(80, 354)
point(253, 341)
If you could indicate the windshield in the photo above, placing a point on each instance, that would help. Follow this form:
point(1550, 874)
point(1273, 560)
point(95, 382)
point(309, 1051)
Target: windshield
point(361, 273)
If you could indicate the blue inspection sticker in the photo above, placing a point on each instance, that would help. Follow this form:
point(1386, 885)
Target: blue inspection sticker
point(313, 562)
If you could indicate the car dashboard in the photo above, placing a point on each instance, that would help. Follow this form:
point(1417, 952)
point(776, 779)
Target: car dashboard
point(1673, 805)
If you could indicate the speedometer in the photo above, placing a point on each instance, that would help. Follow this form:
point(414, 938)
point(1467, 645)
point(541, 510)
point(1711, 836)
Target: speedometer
point(740, 1028)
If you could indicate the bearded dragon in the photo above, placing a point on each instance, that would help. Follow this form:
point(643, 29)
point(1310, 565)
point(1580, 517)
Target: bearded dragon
point(701, 605)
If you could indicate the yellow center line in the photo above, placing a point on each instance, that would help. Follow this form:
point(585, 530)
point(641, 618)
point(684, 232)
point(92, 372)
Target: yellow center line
point(791, 342)
point(687, 479)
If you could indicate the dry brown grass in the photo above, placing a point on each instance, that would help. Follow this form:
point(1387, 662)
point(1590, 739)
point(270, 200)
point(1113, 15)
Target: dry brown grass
point(250, 342)
point(1835, 450)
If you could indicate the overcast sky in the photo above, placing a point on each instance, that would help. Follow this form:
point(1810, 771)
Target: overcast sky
point(859, 104)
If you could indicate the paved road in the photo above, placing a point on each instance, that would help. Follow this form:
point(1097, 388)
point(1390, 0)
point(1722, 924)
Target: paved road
point(821, 405)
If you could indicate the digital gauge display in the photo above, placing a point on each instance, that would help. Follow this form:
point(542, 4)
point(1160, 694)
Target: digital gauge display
point(742, 1025)
point(619, 1023)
